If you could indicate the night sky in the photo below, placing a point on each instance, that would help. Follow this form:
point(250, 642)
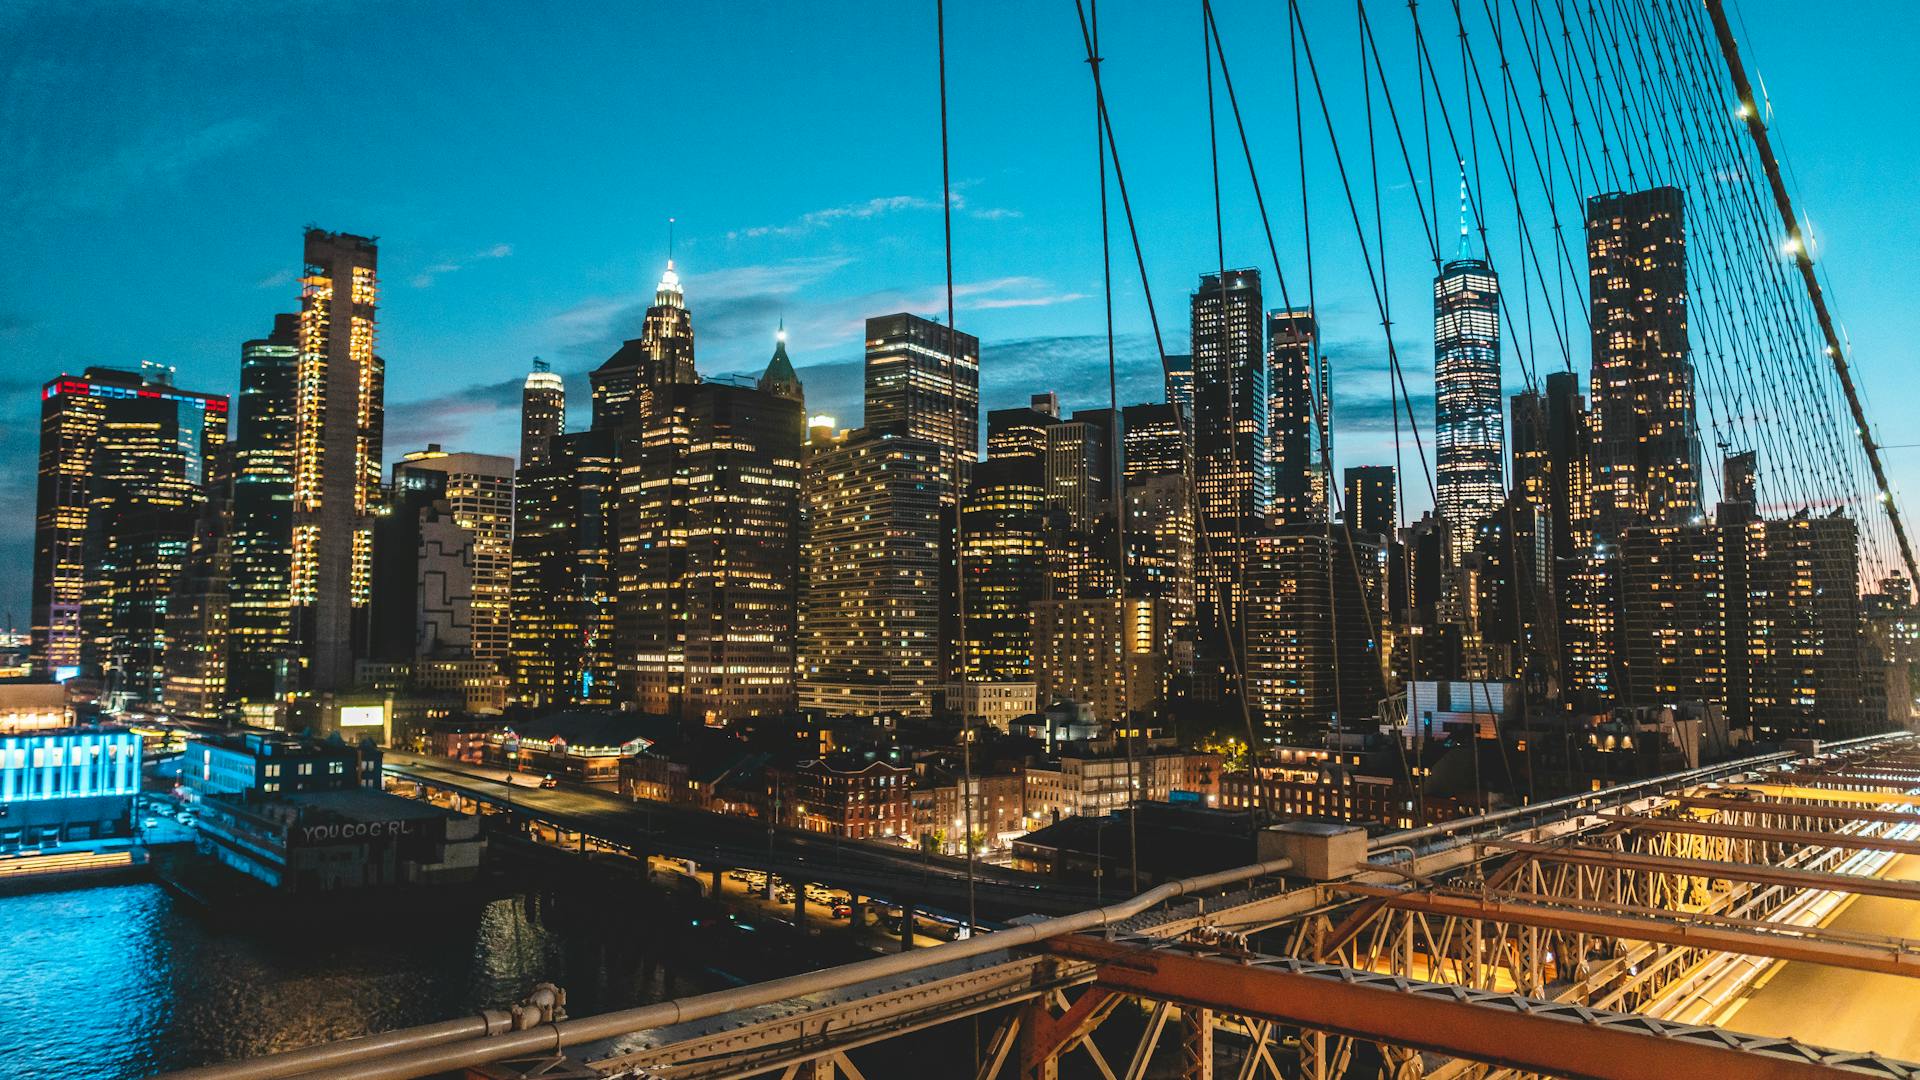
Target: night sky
point(519, 164)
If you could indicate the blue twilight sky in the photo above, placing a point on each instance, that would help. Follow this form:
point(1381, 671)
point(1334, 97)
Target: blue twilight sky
point(519, 162)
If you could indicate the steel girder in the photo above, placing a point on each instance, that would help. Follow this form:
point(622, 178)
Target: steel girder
point(1767, 808)
point(1745, 936)
point(1729, 871)
point(1789, 837)
point(1504, 1029)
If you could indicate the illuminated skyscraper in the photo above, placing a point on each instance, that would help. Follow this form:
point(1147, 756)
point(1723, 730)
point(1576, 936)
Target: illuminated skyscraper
point(708, 549)
point(1154, 441)
point(1104, 652)
point(1079, 467)
point(923, 382)
point(339, 419)
point(1469, 442)
point(662, 355)
point(260, 582)
point(196, 647)
point(543, 411)
point(1645, 442)
point(1022, 433)
point(1004, 561)
point(1370, 499)
point(125, 461)
point(779, 379)
point(479, 493)
point(1179, 376)
point(1299, 487)
point(1312, 658)
point(563, 591)
point(871, 629)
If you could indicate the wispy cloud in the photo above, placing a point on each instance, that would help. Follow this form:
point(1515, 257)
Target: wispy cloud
point(278, 279)
point(427, 277)
point(860, 211)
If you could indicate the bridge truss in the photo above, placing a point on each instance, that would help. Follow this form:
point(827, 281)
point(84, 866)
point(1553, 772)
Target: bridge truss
point(1597, 936)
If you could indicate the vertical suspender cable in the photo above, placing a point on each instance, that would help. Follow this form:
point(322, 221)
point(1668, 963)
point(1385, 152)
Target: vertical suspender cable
point(958, 491)
point(1117, 481)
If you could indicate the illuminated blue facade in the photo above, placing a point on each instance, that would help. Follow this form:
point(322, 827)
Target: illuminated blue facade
point(70, 785)
point(68, 765)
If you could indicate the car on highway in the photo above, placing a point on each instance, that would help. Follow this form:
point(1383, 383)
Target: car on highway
point(548, 781)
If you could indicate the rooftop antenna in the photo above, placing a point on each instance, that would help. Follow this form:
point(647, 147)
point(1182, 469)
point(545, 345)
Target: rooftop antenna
point(541, 365)
point(1464, 250)
point(669, 243)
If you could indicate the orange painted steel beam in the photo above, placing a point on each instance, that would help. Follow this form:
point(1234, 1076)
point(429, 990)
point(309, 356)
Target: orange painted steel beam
point(1860, 957)
point(1832, 795)
point(1843, 783)
point(1500, 1029)
point(1843, 841)
point(1049, 1037)
point(1858, 884)
point(1788, 809)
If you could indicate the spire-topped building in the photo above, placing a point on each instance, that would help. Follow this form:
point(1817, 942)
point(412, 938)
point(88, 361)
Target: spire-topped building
point(779, 379)
point(543, 412)
point(1468, 431)
point(662, 355)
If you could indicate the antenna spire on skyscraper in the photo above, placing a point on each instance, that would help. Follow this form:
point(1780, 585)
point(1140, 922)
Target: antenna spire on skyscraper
point(1465, 249)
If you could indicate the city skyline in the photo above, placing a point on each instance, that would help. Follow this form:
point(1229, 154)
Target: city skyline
point(479, 278)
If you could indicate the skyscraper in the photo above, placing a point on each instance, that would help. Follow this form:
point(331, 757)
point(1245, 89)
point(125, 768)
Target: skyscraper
point(1299, 492)
point(563, 590)
point(1178, 369)
point(1645, 441)
point(708, 551)
point(871, 625)
point(662, 355)
point(1079, 467)
point(923, 382)
point(1004, 562)
point(1370, 500)
point(1230, 408)
point(125, 459)
point(779, 379)
point(196, 646)
point(479, 494)
point(1312, 655)
point(339, 419)
point(1154, 441)
point(260, 581)
point(1469, 444)
point(543, 411)
point(1022, 432)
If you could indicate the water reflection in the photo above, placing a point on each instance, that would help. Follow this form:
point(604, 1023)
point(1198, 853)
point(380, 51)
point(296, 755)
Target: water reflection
point(126, 981)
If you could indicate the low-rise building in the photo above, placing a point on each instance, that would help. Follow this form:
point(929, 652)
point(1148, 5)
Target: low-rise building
point(29, 705)
point(1089, 781)
point(324, 841)
point(844, 796)
point(72, 784)
point(275, 763)
point(940, 813)
point(582, 745)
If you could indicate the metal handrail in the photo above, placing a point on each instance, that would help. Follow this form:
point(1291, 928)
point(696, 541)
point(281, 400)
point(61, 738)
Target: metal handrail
point(422, 1051)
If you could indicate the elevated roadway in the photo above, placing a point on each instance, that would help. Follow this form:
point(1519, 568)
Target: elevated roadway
point(886, 872)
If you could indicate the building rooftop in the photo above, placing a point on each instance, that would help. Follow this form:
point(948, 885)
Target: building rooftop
point(594, 727)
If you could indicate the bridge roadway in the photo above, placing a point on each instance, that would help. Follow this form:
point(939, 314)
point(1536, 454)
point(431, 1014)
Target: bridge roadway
point(885, 872)
point(1838, 1007)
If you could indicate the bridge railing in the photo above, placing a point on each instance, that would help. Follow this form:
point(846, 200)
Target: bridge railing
point(484, 1038)
point(1466, 830)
